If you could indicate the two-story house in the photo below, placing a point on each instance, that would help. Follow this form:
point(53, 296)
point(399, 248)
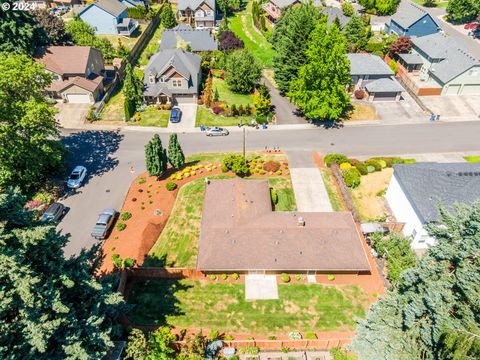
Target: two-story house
point(411, 20)
point(438, 65)
point(78, 72)
point(200, 13)
point(108, 17)
point(183, 36)
point(172, 76)
point(273, 8)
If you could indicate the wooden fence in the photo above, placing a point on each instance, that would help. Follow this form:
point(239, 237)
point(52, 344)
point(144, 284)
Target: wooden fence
point(344, 190)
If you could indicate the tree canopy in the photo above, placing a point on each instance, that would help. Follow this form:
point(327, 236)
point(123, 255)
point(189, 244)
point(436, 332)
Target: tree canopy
point(157, 345)
point(290, 37)
point(168, 17)
point(51, 307)
point(242, 71)
point(356, 34)
point(462, 11)
point(320, 90)
point(29, 147)
point(380, 7)
point(435, 310)
point(229, 41)
point(155, 157)
point(52, 26)
point(175, 152)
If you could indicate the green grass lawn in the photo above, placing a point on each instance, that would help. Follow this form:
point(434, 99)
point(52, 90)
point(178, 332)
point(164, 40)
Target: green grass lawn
point(151, 47)
point(286, 196)
point(227, 95)
point(154, 117)
point(223, 307)
point(255, 42)
point(128, 42)
point(206, 117)
point(333, 193)
point(475, 159)
point(438, 4)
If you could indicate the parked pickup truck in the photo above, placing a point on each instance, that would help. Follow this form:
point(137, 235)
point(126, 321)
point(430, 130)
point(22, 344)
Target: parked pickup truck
point(104, 224)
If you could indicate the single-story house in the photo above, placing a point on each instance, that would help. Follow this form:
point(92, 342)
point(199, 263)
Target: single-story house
point(241, 233)
point(172, 76)
point(412, 20)
point(78, 72)
point(370, 73)
point(108, 17)
point(416, 190)
point(273, 8)
point(201, 13)
point(438, 63)
point(183, 36)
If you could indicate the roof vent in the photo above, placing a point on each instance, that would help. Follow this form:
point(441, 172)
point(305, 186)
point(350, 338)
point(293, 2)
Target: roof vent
point(300, 221)
point(277, 242)
point(233, 241)
point(226, 231)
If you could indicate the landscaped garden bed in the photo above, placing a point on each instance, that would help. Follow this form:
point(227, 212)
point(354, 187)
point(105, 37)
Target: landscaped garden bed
point(222, 307)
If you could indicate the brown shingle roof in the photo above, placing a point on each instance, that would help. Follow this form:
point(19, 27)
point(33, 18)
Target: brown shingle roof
point(64, 59)
point(240, 232)
point(90, 84)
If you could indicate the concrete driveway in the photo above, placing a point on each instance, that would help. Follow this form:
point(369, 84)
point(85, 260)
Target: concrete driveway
point(405, 111)
point(189, 113)
point(462, 107)
point(71, 116)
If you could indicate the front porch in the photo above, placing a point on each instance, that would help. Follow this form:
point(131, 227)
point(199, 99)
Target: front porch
point(158, 100)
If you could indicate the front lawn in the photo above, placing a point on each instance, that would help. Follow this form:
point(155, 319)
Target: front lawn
point(286, 196)
point(151, 116)
point(206, 117)
point(475, 159)
point(222, 307)
point(230, 97)
point(437, 4)
point(151, 47)
point(333, 192)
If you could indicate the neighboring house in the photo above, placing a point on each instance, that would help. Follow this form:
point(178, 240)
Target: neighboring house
point(200, 13)
point(78, 72)
point(438, 65)
point(334, 13)
point(416, 190)
point(411, 20)
point(241, 233)
point(108, 17)
point(369, 72)
point(172, 76)
point(134, 3)
point(273, 8)
point(183, 36)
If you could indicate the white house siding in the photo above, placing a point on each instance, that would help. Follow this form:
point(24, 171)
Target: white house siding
point(404, 212)
point(467, 84)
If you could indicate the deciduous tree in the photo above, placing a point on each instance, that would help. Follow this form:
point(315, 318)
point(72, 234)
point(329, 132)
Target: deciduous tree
point(157, 345)
point(319, 90)
point(402, 45)
point(168, 17)
point(175, 152)
point(380, 7)
point(155, 157)
point(52, 26)
point(439, 295)
point(348, 9)
point(462, 11)
point(242, 71)
point(289, 39)
point(229, 41)
point(52, 307)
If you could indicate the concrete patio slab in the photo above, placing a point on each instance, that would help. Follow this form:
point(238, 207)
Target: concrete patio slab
point(261, 287)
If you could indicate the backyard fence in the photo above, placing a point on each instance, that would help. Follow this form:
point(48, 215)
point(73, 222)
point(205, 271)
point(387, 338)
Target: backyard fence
point(344, 190)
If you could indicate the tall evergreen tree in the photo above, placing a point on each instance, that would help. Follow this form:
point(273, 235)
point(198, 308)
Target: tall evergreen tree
point(168, 17)
point(155, 157)
point(356, 34)
point(175, 152)
point(290, 37)
point(462, 11)
point(51, 307)
point(133, 91)
point(439, 295)
point(319, 90)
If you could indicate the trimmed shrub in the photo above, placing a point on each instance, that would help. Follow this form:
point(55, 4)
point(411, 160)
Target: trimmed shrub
point(274, 195)
point(285, 278)
point(272, 337)
point(217, 110)
point(311, 336)
point(117, 261)
point(141, 181)
point(213, 335)
point(374, 163)
point(338, 158)
point(224, 277)
point(362, 168)
point(129, 262)
point(228, 338)
point(235, 276)
point(409, 161)
point(236, 163)
point(351, 177)
point(370, 169)
point(331, 277)
point(171, 186)
point(213, 277)
point(298, 277)
point(353, 162)
point(121, 226)
point(345, 166)
point(125, 215)
point(271, 166)
point(279, 172)
point(249, 350)
point(224, 169)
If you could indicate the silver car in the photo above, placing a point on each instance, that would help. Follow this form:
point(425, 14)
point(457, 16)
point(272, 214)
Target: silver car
point(216, 131)
point(76, 177)
point(104, 224)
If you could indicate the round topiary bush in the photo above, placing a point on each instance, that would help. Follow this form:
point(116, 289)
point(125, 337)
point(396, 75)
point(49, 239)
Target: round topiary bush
point(213, 277)
point(362, 168)
point(285, 278)
point(345, 166)
point(331, 277)
point(235, 276)
point(351, 177)
point(298, 277)
point(125, 215)
point(170, 186)
point(272, 166)
point(374, 163)
point(224, 277)
point(338, 158)
point(370, 169)
point(121, 226)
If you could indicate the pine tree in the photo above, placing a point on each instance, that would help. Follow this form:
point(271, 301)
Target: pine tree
point(319, 90)
point(216, 96)
point(436, 297)
point(262, 101)
point(132, 86)
point(462, 11)
point(175, 153)
point(155, 157)
point(356, 34)
point(168, 17)
point(51, 307)
point(289, 38)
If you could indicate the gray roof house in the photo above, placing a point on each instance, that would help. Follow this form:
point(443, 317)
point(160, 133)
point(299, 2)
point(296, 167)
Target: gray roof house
point(416, 190)
point(411, 20)
point(201, 13)
point(333, 13)
point(444, 63)
point(182, 36)
point(172, 76)
point(371, 73)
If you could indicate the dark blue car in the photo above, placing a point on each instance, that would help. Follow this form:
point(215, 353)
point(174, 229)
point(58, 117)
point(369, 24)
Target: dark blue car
point(175, 115)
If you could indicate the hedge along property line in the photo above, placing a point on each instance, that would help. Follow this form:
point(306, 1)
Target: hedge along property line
point(337, 172)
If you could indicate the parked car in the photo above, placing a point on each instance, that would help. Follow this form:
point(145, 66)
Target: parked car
point(76, 177)
point(53, 213)
point(216, 131)
point(175, 115)
point(471, 26)
point(104, 224)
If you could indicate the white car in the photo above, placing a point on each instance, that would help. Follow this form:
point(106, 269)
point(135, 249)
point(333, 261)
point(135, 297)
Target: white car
point(216, 131)
point(76, 177)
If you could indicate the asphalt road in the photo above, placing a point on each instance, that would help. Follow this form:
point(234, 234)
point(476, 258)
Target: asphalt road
point(110, 157)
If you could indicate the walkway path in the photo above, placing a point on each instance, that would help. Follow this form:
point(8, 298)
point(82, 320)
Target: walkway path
point(310, 192)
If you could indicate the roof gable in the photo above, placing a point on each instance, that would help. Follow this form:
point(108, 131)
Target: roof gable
point(408, 14)
point(112, 7)
point(368, 64)
point(66, 59)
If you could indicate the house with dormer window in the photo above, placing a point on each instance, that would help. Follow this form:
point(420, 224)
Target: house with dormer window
point(198, 13)
point(172, 76)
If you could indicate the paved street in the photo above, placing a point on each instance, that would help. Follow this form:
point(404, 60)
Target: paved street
point(109, 157)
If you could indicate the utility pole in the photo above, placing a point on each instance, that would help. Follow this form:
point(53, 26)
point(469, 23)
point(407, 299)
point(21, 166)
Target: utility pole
point(244, 155)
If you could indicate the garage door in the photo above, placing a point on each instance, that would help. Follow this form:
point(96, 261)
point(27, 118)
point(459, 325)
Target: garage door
point(471, 90)
point(185, 99)
point(79, 98)
point(453, 90)
point(388, 96)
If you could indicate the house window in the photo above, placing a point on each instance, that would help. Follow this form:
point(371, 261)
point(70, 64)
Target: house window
point(177, 83)
point(162, 79)
point(151, 79)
